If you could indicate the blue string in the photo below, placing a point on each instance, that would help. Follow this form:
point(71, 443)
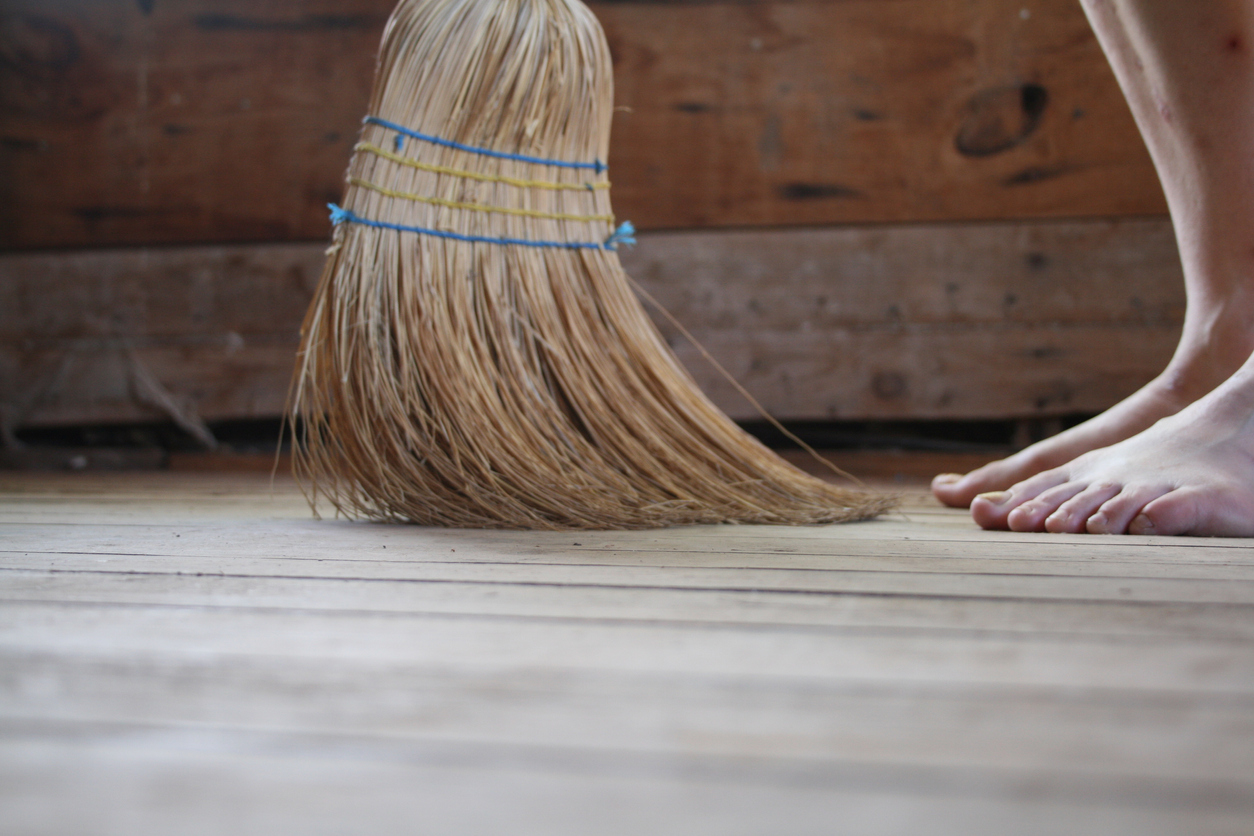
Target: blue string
point(623, 235)
point(596, 166)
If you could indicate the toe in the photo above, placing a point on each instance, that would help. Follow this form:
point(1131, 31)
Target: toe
point(1031, 515)
point(960, 491)
point(1176, 512)
point(1214, 504)
point(1073, 514)
point(993, 510)
point(1222, 508)
point(1117, 513)
point(946, 487)
point(989, 509)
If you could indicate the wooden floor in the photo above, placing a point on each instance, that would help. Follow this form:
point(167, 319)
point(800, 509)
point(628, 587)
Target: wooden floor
point(193, 654)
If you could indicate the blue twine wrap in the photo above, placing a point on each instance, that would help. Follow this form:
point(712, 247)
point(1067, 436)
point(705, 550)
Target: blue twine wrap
point(596, 166)
point(625, 234)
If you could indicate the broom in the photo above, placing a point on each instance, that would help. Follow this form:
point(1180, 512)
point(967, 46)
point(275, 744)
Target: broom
point(474, 355)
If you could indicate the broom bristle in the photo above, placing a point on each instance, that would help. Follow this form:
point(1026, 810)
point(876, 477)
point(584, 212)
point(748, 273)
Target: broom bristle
point(448, 378)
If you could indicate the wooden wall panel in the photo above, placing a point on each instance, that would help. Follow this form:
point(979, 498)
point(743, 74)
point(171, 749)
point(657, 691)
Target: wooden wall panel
point(965, 321)
point(161, 121)
point(216, 327)
point(896, 110)
point(947, 321)
point(179, 120)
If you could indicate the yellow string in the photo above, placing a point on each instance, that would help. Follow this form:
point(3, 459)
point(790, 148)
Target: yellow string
point(471, 175)
point(478, 207)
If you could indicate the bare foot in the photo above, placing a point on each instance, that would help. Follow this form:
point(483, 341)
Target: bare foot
point(1190, 473)
point(1194, 105)
point(1199, 366)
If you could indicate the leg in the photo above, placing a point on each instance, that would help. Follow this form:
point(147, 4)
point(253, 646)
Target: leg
point(1187, 69)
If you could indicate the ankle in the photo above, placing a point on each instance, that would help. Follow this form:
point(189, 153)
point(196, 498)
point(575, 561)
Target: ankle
point(1208, 354)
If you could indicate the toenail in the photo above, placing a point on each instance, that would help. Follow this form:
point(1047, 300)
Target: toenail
point(1142, 524)
point(947, 478)
point(995, 497)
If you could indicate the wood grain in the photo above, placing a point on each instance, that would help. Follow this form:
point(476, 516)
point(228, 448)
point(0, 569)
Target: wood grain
point(941, 614)
point(217, 326)
point(1024, 727)
point(821, 112)
point(79, 776)
point(149, 122)
point(975, 320)
point(134, 122)
point(946, 321)
point(175, 646)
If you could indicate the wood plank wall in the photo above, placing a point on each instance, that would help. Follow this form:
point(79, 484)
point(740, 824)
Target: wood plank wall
point(871, 208)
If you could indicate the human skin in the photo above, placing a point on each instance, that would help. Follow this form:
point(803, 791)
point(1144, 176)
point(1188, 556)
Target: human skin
point(1190, 473)
point(1187, 70)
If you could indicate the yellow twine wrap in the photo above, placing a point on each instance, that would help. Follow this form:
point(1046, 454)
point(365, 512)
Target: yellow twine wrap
point(478, 207)
point(473, 175)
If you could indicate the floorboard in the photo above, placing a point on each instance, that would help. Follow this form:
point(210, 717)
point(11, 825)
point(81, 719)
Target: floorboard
point(186, 653)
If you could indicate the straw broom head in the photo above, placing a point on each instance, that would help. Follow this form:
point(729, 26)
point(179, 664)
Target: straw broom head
point(474, 355)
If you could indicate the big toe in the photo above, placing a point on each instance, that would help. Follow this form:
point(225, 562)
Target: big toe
point(1173, 513)
point(1219, 509)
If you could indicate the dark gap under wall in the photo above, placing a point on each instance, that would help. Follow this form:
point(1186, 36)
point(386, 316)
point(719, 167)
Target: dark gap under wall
point(150, 445)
